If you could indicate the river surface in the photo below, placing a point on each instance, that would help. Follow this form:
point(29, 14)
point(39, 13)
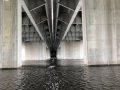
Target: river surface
point(61, 78)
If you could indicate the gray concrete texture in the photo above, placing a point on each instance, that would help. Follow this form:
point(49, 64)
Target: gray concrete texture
point(102, 19)
point(10, 36)
point(102, 27)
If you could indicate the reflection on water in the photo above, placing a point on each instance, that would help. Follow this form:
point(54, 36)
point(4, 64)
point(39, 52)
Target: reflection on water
point(52, 79)
point(61, 78)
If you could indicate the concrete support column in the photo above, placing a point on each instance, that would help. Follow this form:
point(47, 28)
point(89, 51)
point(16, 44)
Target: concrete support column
point(99, 32)
point(10, 33)
point(102, 31)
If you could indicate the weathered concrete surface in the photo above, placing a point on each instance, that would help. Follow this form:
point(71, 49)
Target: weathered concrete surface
point(71, 50)
point(10, 34)
point(102, 30)
point(35, 53)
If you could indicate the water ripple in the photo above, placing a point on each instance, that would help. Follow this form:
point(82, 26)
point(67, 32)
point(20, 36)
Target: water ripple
point(61, 78)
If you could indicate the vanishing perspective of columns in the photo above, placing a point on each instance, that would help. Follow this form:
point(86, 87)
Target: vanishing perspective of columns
point(10, 34)
point(98, 21)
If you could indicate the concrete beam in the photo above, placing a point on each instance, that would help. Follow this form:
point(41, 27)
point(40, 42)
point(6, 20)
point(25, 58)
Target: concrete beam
point(42, 21)
point(31, 18)
point(37, 7)
point(62, 21)
point(48, 20)
point(66, 7)
point(52, 16)
point(57, 19)
point(79, 5)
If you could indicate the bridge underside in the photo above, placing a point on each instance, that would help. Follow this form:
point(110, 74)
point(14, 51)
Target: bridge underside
point(73, 31)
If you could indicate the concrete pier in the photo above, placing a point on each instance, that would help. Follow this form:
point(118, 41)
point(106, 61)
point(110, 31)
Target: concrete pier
point(101, 20)
point(10, 34)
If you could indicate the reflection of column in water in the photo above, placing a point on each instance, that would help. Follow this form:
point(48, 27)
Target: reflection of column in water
point(52, 79)
point(53, 61)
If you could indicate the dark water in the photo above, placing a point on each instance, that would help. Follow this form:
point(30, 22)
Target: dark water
point(61, 78)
